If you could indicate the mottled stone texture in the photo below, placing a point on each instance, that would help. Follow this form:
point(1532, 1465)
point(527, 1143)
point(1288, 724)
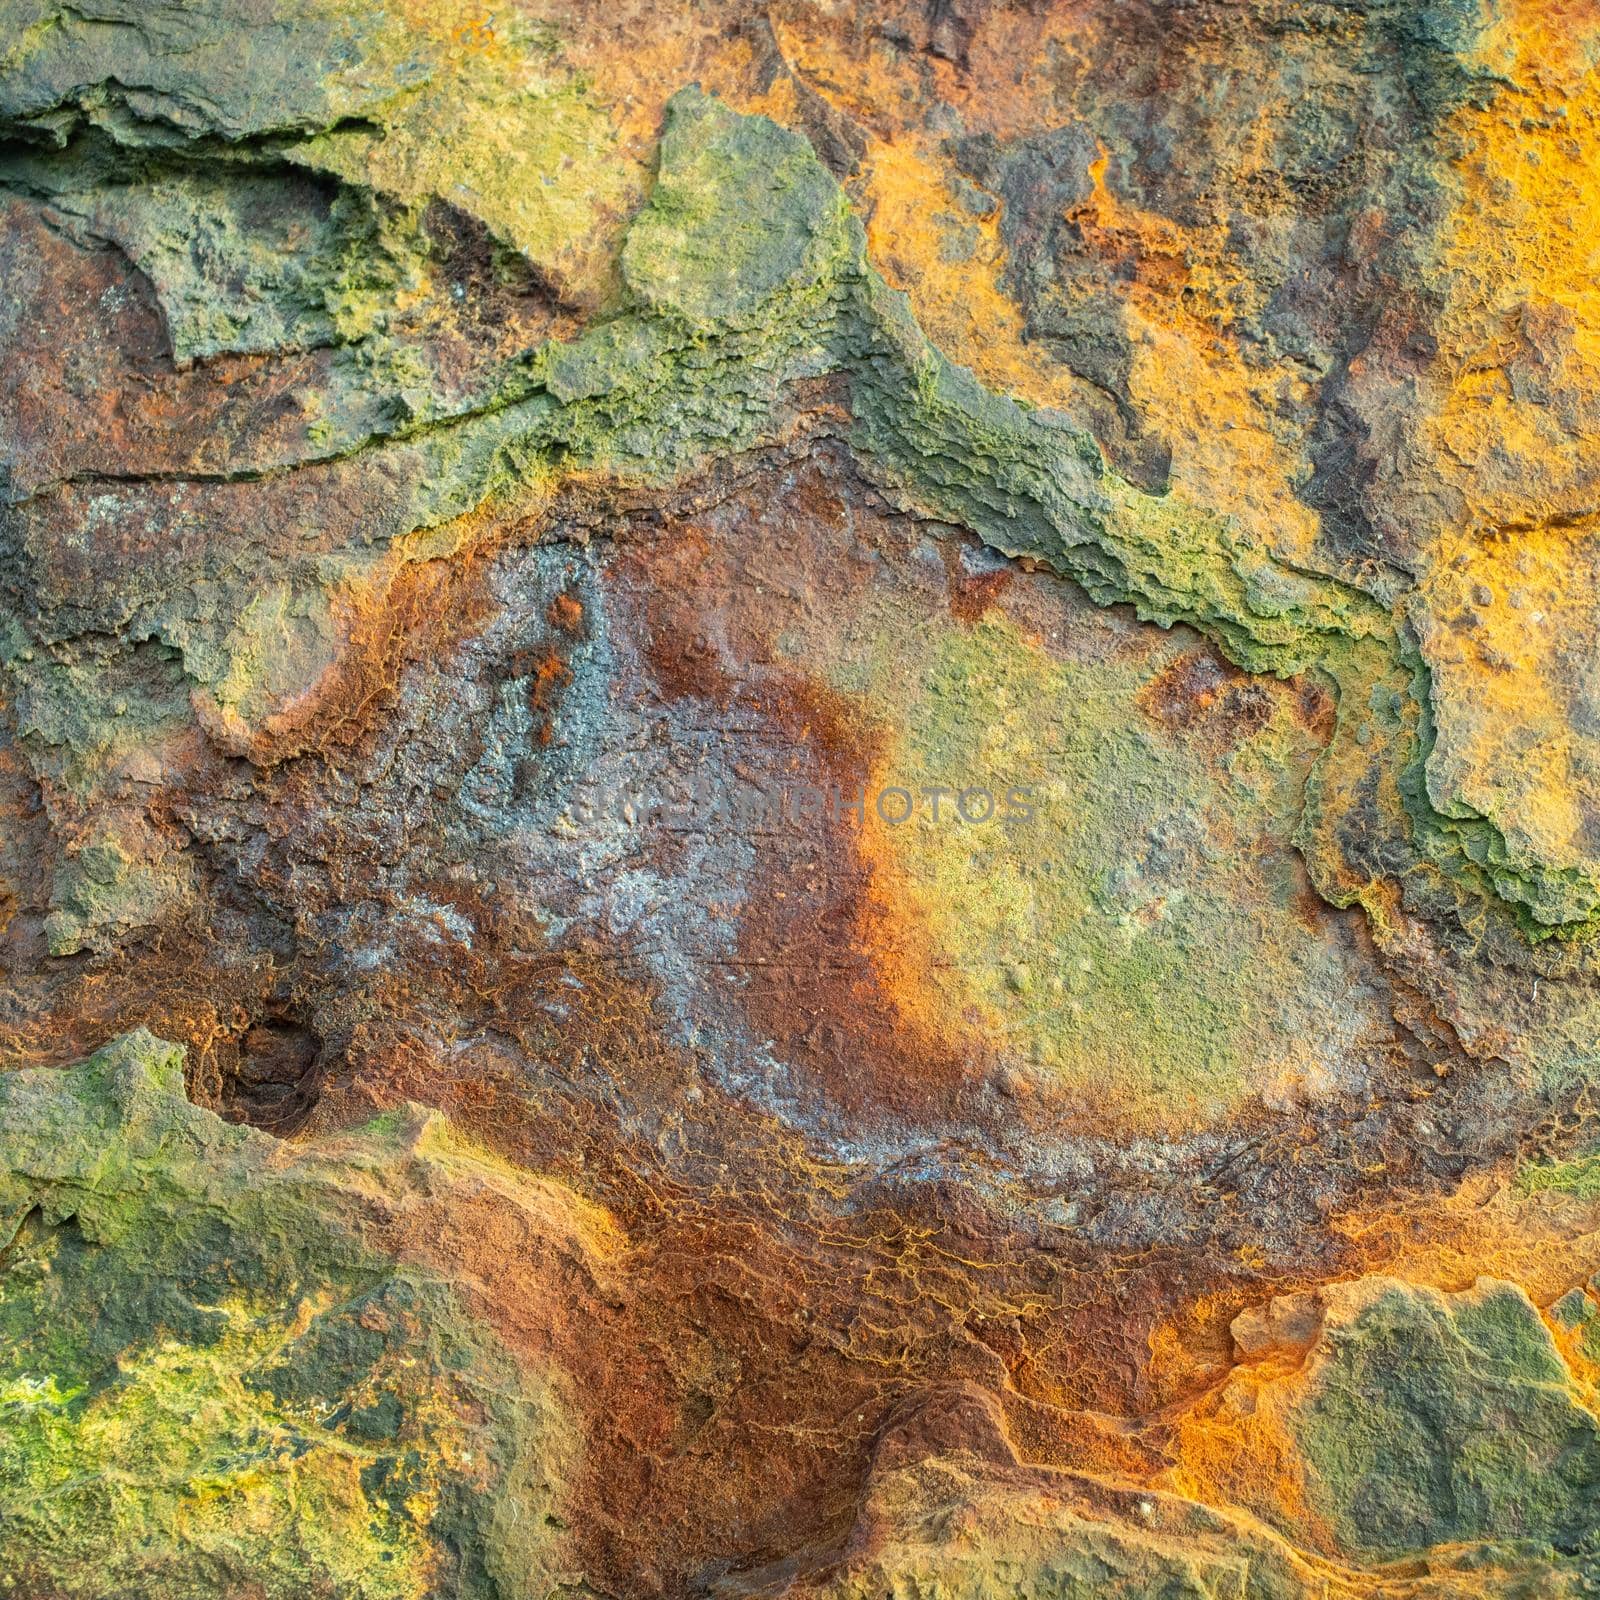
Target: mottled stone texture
point(502, 513)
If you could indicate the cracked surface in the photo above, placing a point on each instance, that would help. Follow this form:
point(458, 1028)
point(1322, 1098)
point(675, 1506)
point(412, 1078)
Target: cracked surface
point(496, 510)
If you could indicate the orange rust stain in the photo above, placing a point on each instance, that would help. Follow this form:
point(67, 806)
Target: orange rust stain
point(1200, 693)
point(566, 613)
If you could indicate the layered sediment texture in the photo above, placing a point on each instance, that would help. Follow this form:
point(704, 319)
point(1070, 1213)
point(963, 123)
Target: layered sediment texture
point(799, 800)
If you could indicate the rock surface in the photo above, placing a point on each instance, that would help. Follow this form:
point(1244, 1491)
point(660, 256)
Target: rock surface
point(799, 800)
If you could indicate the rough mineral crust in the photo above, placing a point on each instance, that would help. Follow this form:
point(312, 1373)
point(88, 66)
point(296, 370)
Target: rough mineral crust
point(799, 800)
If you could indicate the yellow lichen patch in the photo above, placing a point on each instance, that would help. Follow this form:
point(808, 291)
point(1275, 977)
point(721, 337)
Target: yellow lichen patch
point(1184, 292)
point(948, 261)
point(1510, 437)
point(1077, 932)
point(1501, 460)
point(1187, 379)
point(1162, 255)
point(1190, 385)
point(187, 1453)
point(502, 133)
point(946, 257)
point(1181, 290)
point(1510, 624)
point(871, 82)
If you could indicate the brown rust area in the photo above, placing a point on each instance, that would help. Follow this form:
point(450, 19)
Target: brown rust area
point(89, 328)
point(738, 1299)
point(760, 1278)
point(1202, 695)
point(754, 570)
point(973, 593)
point(565, 613)
point(843, 1237)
